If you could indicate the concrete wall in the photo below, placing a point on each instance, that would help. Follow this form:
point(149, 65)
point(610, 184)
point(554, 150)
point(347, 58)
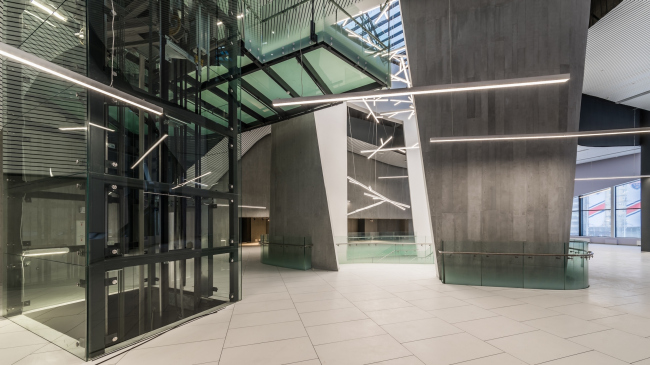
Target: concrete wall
point(256, 179)
point(299, 204)
point(498, 191)
point(367, 172)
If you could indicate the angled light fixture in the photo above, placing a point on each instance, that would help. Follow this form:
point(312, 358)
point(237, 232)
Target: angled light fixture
point(377, 195)
point(149, 151)
point(402, 149)
point(73, 129)
point(189, 181)
point(423, 90)
point(379, 148)
point(102, 127)
point(48, 10)
point(611, 177)
point(368, 207)
point(29, 59)
point(513, 137)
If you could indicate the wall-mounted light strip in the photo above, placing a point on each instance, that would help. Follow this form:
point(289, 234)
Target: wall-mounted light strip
point(393, 177)
point(422, 90)
point(189, 181)
point(58, 71)
point(149, 151)
point(611, 178)
point(514, 137)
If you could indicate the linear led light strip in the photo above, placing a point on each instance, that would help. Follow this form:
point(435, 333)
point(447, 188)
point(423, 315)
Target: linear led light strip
point(242, 206)
point(379, 148)
point(611, 177)
point(149, 151)
point(513, 137)
point(189, 181)
point(58, 71)
point(402, 149)
point(423, 90)
point(84, 128)
point(393, 177)
point(174, 196)
point(377, 195)
point(368, 207)
point(46, 252)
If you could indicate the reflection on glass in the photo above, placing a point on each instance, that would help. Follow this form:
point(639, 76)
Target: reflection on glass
point(628, 209)
point(596, 213)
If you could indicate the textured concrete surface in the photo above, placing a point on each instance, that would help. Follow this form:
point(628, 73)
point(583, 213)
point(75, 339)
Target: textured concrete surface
point(498, 191)
point(256, 179)
point(299, 201)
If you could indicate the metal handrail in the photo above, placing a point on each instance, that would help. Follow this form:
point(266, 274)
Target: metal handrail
point(588, 255)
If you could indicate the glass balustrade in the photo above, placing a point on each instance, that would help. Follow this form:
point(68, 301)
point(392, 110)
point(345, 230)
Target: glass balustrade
point(286, 251)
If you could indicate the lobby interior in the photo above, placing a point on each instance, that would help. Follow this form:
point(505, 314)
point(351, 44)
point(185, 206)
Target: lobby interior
point(316, 182)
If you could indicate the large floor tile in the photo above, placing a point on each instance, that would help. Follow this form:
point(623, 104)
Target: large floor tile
point(549, 300)
point(396, 315)
point(16, 339)
point(244, 308)
point(629, 323)
point(332, 316)
point(344, 331)
point(265, 333)
point(420, 329)
point(361, 351)
point(461, 314)
point(270, 353)
point(312, 297)
point(437, 303)
point(420, 294)
point(494, 327)
point(12, 354)
point(537, 347)
point(59, 357)
point(587, 311)
point(255, 298)
point(525, 312)
point(409, 360)
point(566, 326)
point(638, 309)
point(378, 304)
point(470, 293)
point(618, 344)
point(322, 305)
point(499, 359)
point(450, 349)
point(188, 353)
point(494, 302)
point(587, 358)
point(187, 333)
point(363, 296)
point(261, 318)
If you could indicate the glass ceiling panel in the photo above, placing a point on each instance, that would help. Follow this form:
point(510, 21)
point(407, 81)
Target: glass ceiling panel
point(251, 102)
point(299, 81)
point(336, 73)
point(261, 81)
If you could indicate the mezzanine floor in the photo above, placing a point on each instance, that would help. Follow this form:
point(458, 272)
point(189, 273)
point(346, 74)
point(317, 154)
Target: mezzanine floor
point(398, 315)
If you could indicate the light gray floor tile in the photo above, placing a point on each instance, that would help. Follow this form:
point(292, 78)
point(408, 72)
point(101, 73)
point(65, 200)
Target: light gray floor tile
point(494, 327)
point(587, 358)
point(15, 339)
point(187, 333)
point(471, 293)
point(312, 297)
point(420, 294)
point(261, 318)
point(344, 331)
point(629, 323)
point(61, 357)
point(378, 304)
point(499, 359)
point(361, 351)
point(397, 315)
point(362, 296)
point(618, 344)
point(409, 360)
point(638, 309)
point(12, 354)
point(320, 288)
point(270, 353)
point(402, 288)
point(332, 316)
point(525, 312)
point(437, 303)
point(364, 288)
point(566, 326)
point(587, 311)
point(520, 293)
point(266, 297)
point(188, 353)
point(244, 308)
point(494, 302)
point(265, 333)
point(321, 305)
point(450, 349)
point(461, 314)
point(420, 329)
point(549, 300)
point(537, 347)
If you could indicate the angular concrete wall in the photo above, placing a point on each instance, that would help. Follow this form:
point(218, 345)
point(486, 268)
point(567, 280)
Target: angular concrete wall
point(498, 191)
point(255, 177)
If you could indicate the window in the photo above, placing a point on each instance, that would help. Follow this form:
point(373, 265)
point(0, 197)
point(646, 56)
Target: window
point(628, 209)
point(575, 217)
point(597, 214)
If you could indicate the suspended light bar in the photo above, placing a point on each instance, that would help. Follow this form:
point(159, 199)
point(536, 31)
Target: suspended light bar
point(149, 151)
point(48, 10)
point(102, 127)
point(242, 206)
point(382, 145)
point(46, 251)
point(415, 146)
point(58, 71)
point(393, 177)
point(431, 89)
point(189, 181)
point(611, 177)
point(368, 207)
point(512, 137)
point(73, 129)
point(377, 195)
point(174, 196)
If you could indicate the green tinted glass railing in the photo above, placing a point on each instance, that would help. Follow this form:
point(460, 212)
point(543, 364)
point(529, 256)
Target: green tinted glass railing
point(384, 247)
point(286, 251)
point(516, 264)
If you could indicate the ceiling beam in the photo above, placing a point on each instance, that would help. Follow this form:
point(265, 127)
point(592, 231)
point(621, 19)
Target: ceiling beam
point(313, 75)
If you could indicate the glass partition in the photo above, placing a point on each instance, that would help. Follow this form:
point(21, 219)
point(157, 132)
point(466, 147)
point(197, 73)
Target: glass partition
point(597, 213)
point(628, 209)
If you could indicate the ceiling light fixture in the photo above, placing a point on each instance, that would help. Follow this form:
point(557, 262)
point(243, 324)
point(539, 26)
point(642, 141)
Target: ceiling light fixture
point(149, 151)
point(423, 90)
point(58, 71)
point(46, 252)
point(73, 129)
point(611, 177)
point(48, 10)
point(377, 195)
point(513, 137)
point(242, 206)
point(102, 127)
point(368, 207)
point(393, 177)
point(189, 181)
point(379, 148)
point(402, 149)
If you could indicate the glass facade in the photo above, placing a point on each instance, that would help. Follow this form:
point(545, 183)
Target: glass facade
point(596, 213)
point(628, 209)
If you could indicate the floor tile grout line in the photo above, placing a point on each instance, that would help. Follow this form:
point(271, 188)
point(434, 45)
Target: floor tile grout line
point(303, 326)
point(32, 353)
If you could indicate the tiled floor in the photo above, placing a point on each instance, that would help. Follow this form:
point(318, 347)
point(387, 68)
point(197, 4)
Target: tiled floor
point(399, 315)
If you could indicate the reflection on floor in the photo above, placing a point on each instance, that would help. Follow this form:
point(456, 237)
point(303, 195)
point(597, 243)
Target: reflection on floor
point(399, 314)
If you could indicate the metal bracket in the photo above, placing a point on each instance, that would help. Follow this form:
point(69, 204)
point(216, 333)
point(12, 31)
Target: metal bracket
point(27, 303)
point(111, 164)
point(110, 281)
point(112, 251)
point(110, 339)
